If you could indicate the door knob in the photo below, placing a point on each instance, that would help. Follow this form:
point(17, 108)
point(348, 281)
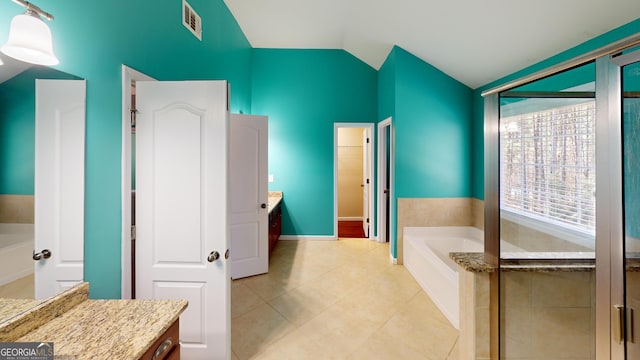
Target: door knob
point(213, 256)
point(44, 254)
point(226, 255)
point(264, 206)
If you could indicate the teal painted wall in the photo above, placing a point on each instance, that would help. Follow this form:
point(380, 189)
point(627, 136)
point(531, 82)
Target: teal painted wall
point(387, 87)
point(92, 42)
point(304, 92)
point(386, 109)
point(17, 129)
point(431, 128)
point(432, 131)
point(478, 112)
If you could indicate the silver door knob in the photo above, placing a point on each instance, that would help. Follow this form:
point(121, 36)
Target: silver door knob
point(213, 256)
point(44, 254)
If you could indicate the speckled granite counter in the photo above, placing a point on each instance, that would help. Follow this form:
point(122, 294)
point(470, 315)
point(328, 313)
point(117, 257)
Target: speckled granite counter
point(94, 329)
point(542, 262)
point(274, 199)
point(43, 312)
point(109, 329)
point(12, 307)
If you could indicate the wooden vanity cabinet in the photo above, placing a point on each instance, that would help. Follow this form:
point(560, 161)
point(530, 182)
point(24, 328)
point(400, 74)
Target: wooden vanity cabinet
point(275, 226)
point(167, 346)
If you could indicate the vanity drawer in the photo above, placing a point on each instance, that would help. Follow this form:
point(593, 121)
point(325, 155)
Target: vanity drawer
point(167, 346)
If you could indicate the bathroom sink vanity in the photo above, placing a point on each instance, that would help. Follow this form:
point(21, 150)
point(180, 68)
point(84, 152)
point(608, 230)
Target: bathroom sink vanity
point(275, 217)
point(99, 329)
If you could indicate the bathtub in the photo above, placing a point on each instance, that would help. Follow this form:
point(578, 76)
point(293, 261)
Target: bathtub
point(16, 248)
point(426, 256)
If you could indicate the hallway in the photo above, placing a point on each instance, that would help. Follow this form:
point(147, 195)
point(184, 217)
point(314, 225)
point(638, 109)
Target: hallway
point(336, 300)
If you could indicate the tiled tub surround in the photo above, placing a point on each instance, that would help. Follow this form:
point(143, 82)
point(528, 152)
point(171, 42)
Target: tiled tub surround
point(548, 307)
point(429, 212)
point(427, 259)
point(93, 329)
point(16, 209)
point(533, 240)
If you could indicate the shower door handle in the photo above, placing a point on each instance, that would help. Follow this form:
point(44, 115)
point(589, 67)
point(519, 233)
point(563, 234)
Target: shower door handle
point(44, 254)
point(618, 323)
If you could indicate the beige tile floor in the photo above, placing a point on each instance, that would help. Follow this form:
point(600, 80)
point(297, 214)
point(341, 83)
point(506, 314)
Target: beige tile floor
point(328, 300)
point(336, 300)
point(19, 289)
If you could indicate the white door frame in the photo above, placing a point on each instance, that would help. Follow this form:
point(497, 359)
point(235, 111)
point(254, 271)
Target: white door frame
point(370, 128)
point(385, 125)
point(128, 75)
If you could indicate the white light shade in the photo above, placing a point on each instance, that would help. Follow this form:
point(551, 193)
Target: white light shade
point(30, 41)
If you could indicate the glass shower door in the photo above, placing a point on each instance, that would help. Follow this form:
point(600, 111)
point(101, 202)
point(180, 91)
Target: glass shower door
point(631, 180)
point(547, 217)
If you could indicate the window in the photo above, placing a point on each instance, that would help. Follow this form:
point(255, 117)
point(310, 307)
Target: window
point(547, 164)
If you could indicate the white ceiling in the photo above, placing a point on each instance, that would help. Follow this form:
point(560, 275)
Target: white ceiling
point(473, 41)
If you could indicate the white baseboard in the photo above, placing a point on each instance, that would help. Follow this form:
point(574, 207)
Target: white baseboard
point(350, 218)
point(308, 237)
point(393, 260)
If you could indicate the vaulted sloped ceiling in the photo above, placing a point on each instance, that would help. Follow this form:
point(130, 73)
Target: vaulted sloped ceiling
point(473, 41)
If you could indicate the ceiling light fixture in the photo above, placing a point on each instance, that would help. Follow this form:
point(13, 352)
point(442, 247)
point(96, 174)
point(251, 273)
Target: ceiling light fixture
point(30, 38)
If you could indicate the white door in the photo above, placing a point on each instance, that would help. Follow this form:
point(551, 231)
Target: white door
point(59, 185)
point(366, 180)
point(182, 208)
point(249, 207)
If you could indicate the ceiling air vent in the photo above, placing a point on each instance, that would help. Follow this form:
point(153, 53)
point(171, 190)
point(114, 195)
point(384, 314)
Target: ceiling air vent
point(191, 20)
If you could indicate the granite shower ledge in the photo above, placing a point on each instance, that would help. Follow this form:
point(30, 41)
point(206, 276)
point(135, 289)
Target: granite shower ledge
point(475, 262)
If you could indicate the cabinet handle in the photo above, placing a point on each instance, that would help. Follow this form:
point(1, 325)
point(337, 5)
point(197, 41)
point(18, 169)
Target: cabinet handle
point(162, 348)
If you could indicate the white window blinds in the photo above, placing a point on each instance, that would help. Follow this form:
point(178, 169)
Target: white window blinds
point(547, 165)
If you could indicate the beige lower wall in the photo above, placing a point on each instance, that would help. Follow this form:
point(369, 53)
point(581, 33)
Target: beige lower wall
point(437, 212)
point(17, 209)
point(533, 240)
point(543, 315)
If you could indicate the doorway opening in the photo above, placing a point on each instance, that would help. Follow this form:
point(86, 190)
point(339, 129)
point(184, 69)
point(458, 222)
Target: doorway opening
point(353, 180)
point(129, 78)
point(385, 180)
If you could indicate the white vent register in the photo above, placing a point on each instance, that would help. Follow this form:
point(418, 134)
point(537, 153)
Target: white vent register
point(191, 20)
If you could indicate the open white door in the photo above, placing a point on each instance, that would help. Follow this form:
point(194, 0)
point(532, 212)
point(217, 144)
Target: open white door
point(248, 196)
point(182, 208)
point(366, 180)
point(59, 185)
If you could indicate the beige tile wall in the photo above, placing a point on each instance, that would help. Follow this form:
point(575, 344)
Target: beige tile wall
point(474, 316)
point(532, 240)
point(543, 315)
point(437, 212)
point(17, 209)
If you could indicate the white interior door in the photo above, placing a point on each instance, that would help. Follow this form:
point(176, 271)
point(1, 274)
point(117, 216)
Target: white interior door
point(366, 180)
point(59, 185)
point(249, 207)
point(182, 208)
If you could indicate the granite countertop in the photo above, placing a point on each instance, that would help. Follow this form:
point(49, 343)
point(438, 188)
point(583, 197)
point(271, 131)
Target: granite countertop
point(108, 329)
point(93, 329)
point(12, 307)
point(475, 262)
point(274, 198)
